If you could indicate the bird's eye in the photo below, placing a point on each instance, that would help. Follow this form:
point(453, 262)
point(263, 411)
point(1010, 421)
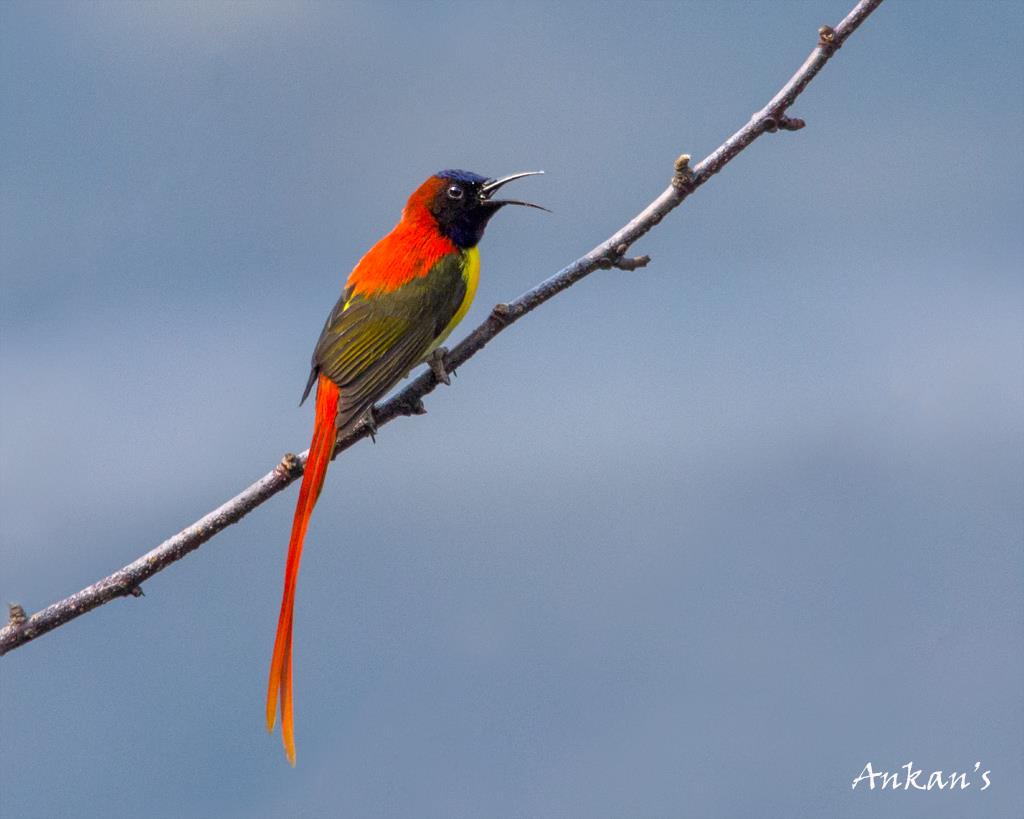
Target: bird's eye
point(454, 192)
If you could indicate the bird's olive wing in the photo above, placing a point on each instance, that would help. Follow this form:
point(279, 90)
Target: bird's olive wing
point(371, 342)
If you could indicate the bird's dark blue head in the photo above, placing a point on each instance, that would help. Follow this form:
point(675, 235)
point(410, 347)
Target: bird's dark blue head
point(461, 203)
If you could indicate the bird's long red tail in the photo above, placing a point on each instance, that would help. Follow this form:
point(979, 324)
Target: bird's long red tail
point(320, 451)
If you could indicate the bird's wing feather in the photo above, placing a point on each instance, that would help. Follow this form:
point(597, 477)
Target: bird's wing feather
point(370, 342)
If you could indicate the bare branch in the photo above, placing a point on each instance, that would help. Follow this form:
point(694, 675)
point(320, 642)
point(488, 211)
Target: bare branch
point(409, 401)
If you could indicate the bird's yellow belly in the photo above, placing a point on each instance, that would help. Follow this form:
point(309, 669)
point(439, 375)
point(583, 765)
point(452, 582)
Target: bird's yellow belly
point(471, 276)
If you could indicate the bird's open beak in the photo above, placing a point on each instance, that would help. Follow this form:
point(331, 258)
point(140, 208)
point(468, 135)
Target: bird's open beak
point(492, 185)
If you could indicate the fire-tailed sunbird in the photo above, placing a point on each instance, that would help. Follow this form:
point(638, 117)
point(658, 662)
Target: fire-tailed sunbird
point(399, 303)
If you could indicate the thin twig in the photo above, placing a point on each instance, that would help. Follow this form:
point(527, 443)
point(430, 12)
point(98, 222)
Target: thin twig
point(610, 253)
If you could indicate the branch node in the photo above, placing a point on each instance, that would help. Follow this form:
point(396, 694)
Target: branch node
point(135, 591)
point(632, 263)
point(781, 122)
point(827, 40)
point(682, 178)
point(617, 258)
point(287, 464)
point(502, 313)
point(17, 615)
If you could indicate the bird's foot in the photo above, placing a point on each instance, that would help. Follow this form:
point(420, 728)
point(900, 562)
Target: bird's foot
point(370, 420)
point(436, 362)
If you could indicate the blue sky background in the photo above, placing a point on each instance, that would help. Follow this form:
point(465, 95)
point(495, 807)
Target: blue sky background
point(699, 540)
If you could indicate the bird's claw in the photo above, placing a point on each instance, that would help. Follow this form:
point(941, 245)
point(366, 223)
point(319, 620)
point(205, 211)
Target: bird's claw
point(370, 420)
point(436, 362)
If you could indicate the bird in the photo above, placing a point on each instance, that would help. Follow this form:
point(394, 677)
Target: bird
point(399, 303)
